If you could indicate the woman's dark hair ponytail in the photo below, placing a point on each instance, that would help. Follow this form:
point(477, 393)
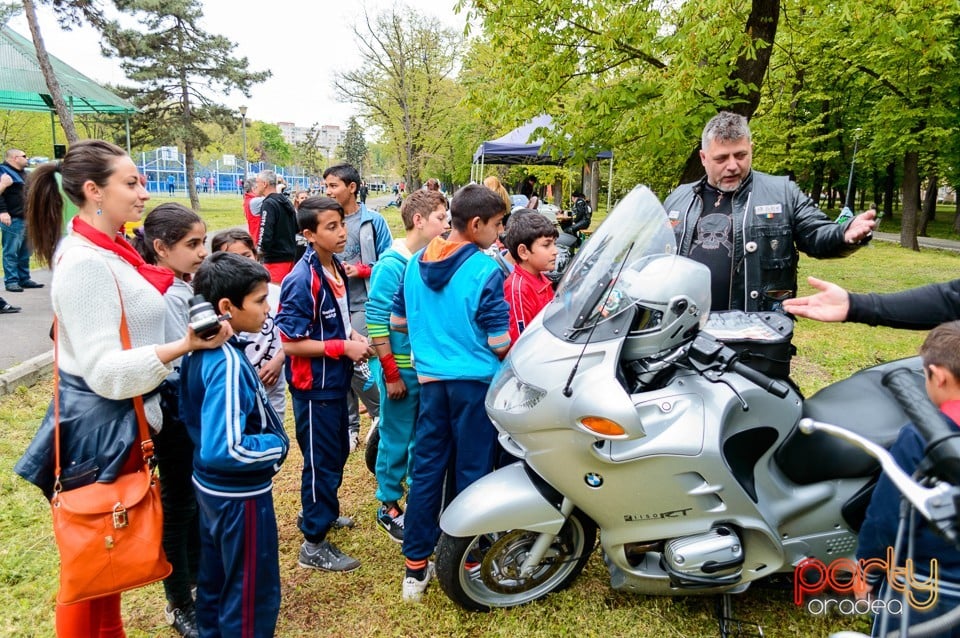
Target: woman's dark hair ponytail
point(86, 160)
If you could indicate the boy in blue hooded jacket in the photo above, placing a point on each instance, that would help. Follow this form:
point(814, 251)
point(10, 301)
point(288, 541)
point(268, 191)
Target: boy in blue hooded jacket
point(451, 304)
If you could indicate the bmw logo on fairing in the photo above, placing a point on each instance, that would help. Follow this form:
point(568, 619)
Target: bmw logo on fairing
point(593, 479)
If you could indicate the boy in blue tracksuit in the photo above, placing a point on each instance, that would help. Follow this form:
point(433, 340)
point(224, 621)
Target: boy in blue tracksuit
point(424, 216)
point(451, 304)
point(239, 444)
point(321, 348)
point(368, 237)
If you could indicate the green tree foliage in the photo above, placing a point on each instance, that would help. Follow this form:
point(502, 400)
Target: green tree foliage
point(354, 147)
point(271, 147)
point(835, 72)
point(308, 153)
point(405, 84)
point(639, 77)
point(179, 69)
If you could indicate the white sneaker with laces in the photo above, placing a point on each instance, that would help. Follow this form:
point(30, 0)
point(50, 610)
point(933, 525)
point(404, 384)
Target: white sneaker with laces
point(413, 589)
point(354, 439)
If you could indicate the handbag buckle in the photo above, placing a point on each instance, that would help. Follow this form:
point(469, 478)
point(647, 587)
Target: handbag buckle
point(120, 519)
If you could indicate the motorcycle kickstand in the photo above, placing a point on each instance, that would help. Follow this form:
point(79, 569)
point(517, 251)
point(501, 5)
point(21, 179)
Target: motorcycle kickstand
point(731, 627)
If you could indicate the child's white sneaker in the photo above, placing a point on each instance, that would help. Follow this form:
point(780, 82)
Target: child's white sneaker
point(413, 588)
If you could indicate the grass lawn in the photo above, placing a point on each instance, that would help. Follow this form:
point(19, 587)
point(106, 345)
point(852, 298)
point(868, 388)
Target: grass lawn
point(367, 602)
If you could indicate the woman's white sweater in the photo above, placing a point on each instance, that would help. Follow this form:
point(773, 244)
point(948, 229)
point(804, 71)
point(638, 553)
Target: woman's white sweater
point(88, 283)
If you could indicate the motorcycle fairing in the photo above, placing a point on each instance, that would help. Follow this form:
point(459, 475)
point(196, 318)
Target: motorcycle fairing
point(519, 504)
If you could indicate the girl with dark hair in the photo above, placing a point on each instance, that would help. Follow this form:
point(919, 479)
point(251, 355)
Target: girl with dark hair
point(263, 348)
point(173, 237)
point(97, 276)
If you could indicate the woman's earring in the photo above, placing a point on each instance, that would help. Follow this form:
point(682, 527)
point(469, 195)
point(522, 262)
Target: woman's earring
point(99, 212)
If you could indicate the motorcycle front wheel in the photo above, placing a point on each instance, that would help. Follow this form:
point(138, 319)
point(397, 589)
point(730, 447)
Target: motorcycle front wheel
point(482, 572)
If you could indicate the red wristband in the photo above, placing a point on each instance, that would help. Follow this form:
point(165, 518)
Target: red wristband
point(333, 348)
point(390, 370)
point(363, 270)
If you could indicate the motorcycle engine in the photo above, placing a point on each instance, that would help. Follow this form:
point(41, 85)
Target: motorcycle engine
point(707, 559)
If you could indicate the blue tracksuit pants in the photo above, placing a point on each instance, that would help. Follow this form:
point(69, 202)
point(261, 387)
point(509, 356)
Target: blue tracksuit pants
point(238, 583)
point(324, 442)
point(453, 433)
point(397, 420)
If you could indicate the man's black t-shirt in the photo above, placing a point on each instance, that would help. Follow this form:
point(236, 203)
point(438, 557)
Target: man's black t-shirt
point(713, 244)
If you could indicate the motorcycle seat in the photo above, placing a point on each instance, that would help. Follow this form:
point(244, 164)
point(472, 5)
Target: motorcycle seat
point(858, 403)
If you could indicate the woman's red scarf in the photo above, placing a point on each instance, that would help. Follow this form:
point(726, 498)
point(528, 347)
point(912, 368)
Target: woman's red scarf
point(159, 278)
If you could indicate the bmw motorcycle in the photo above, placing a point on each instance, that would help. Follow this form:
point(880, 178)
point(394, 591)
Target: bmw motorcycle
point(633, 413)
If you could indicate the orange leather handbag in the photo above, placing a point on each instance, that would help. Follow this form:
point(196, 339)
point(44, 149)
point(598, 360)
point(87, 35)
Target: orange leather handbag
point(109, 534)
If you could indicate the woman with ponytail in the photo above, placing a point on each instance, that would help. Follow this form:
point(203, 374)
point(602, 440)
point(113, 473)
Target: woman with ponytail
point(94, 271)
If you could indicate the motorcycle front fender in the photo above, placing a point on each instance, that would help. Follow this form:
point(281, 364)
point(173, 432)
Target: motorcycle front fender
point(503, 500)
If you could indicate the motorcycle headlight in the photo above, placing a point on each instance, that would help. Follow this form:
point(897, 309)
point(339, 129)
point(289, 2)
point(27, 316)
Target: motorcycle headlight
point(508, 393)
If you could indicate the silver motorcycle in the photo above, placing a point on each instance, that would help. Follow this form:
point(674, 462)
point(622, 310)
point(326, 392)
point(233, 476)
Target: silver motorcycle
point(629, 414)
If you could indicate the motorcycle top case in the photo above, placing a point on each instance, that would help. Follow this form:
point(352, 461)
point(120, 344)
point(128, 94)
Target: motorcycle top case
point(762, 339)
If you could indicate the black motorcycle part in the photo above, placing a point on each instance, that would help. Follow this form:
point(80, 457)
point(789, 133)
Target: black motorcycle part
point(370, 453)
point(743, 450)
point(859, 404)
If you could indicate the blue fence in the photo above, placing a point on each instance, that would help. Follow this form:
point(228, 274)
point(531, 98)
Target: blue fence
point(161, 164)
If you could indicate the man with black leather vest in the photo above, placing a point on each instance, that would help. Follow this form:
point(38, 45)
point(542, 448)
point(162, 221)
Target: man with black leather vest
point(748, 227)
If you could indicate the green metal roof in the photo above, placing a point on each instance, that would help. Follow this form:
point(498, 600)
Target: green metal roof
point(22, 87)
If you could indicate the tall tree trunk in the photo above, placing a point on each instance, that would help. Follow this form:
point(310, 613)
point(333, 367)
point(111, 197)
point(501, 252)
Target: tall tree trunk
point(831, 191)
point(956, 203)
point(877, 192)
point(817, 191)
point(888, 190)
point(929, 209)
point(749, 71)
point(53, 85)
point(911, 200)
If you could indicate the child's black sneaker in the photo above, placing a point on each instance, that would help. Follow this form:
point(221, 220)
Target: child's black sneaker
point(390, 518)
point(183, 619)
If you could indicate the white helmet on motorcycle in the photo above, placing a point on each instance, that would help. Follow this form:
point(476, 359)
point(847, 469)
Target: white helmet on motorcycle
point(672, 297)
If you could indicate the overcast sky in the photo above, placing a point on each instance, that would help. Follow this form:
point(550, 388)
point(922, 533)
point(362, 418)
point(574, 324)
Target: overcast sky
point(302, 42)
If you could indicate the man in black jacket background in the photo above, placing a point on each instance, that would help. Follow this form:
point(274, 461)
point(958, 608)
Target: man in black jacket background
point(278, 229)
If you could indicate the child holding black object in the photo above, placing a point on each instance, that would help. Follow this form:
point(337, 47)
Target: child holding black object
point(936, 561)
point(451, 304)
point(532, 242)
point(172, 236)
point(321, 348)
point(239, 446)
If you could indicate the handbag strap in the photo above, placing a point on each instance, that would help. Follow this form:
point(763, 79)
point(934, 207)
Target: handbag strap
point(146, 443)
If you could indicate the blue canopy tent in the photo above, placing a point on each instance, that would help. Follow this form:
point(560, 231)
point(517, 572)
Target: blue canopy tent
point(516, 148)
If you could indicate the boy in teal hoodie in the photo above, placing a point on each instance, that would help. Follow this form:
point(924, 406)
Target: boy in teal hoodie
point(424, 216)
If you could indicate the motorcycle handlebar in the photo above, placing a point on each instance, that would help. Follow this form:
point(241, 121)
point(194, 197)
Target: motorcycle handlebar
point(772, 386)
point(943, 442)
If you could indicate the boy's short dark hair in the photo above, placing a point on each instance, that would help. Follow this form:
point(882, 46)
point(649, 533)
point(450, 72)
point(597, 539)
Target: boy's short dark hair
point(527, 226)
point(942, 348)
point(346, 173)
point(578, 194)
point(311, 207)
point(226, 275)
point(423, 202)
point(474, 200)
point(231, 236)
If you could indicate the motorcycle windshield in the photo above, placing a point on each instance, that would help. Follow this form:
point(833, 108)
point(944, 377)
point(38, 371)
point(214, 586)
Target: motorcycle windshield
point(592, 290)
